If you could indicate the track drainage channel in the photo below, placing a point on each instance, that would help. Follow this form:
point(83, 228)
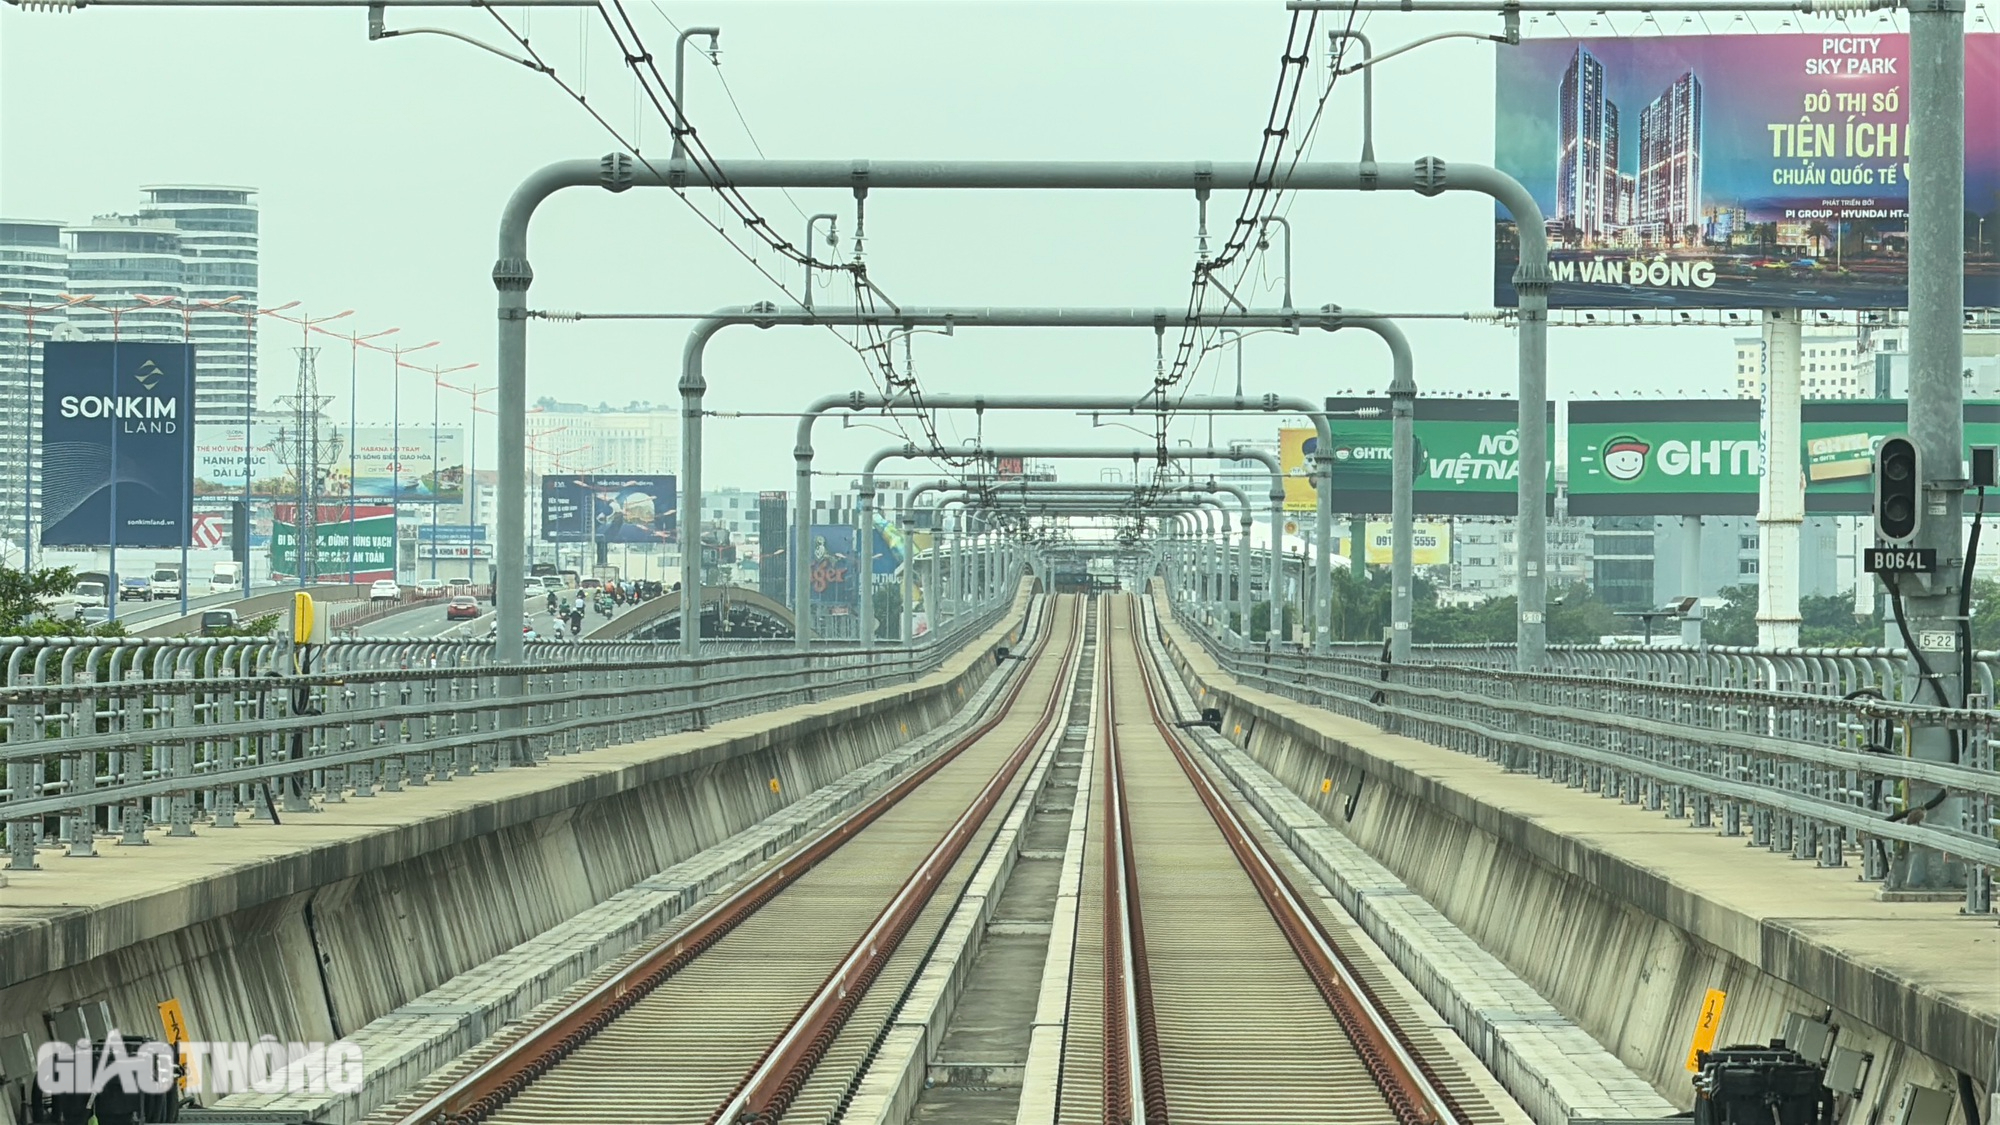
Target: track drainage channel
point(975, 1074)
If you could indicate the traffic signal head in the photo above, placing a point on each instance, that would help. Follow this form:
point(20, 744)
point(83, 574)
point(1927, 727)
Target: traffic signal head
point(1898, 490)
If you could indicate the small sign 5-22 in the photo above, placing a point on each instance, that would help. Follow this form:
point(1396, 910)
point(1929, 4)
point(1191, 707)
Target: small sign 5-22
point(1900, 560)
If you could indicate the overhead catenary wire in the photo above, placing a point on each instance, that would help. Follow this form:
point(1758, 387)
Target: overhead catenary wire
point(643, 66)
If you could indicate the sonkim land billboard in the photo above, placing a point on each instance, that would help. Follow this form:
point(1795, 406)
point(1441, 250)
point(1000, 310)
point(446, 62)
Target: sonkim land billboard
point(1467, 457)
point(1732, 171)
point(1701, 457)
point(117, 444)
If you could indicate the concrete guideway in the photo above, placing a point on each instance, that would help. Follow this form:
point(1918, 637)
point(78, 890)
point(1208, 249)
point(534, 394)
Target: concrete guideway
point(1643, 915)
point(55, 929)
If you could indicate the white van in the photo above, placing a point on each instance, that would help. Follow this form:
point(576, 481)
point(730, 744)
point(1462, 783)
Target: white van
point(227, 578)
point(166, 580)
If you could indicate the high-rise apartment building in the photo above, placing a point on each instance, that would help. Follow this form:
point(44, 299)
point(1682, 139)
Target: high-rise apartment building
point(34, 273)
point(218, 244)
point(1669, 192)
point(1587, 188)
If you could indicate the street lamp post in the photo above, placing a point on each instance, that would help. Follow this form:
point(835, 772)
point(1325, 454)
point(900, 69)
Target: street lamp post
point(28, 461)
point(437, 375)
point(354, 342)
point(395, 465)
point(249, 404)
point(471, 469)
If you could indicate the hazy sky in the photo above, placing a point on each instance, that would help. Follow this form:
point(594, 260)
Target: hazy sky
point(381, 168)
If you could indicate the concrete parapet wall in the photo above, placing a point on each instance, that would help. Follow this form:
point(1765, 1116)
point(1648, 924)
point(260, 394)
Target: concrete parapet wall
point(1623, 919)
point(311, 929)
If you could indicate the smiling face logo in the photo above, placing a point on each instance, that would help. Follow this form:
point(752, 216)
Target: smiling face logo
point(148, 375)
point(1625, 458)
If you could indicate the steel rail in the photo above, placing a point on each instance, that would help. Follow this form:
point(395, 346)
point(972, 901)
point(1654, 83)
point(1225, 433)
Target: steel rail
point(768, 1091)
point(1407, 1082)
point(1133, 1089)
point(481, 1092)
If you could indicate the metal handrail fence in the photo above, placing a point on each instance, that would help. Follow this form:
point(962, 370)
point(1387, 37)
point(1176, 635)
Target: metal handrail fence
point(1834, 671)
point(116, 735)
point(1810, 773)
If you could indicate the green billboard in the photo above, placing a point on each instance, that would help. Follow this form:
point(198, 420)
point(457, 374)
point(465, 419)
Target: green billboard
point(1702, 457)
point(1468, 460)
point(371, 537)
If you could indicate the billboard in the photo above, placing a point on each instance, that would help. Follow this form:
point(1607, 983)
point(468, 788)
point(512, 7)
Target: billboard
point(1730, 171)
point(371, 537)
point(608, 509)
point(452, 541)
point(1466, 449)
point(1430, 544)
point(834, 574)
point(889, 547)
point(219, 460)
point(774, 546)
point(410, 464)
point(117, 444)
point(1702, 457)
point(426, 475)
point(1687, 457)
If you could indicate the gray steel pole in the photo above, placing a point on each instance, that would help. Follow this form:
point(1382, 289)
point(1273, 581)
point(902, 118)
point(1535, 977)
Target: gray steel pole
point(1937, 397)
point(1428, 176)
point(1269, 460)
point(802, 450)
point(1084, 488)
point(680, 85)
point(1691, 579)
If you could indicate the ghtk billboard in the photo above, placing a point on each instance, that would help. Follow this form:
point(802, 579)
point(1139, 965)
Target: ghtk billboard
point(1731, 171)
point(1690, 457)
point(608, 509)
point(1467, 452)
point(117, 444)
point(1701, 457)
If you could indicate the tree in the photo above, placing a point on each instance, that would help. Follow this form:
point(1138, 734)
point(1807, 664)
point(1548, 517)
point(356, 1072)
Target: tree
point(26, 600)
point(24, 596)
point(1735, 621)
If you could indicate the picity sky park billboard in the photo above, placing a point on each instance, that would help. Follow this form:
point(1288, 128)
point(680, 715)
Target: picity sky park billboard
point(117, 444)
point(1702, 457)
point(1732, 171)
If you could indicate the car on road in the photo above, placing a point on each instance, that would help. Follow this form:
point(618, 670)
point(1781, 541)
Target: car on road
point(385, 590)
point(135, 589)
point(461, 608)
point(216, 621)
point(430, 587)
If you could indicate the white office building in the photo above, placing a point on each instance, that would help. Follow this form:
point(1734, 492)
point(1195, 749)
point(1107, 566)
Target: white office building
point(1833, 363)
